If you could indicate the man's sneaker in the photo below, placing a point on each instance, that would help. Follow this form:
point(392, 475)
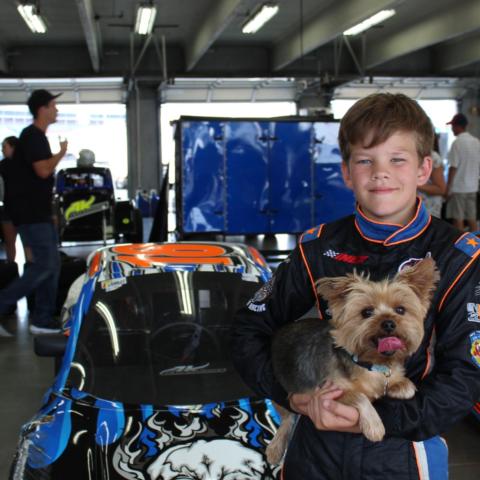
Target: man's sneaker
point(34, 330)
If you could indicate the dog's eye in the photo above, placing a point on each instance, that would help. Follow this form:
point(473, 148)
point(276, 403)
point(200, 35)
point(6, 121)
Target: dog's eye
point(367, 312)
point(400, 310)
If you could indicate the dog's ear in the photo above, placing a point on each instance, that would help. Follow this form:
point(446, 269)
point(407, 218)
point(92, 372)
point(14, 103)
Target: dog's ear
point(422, 278)
point(334, 289)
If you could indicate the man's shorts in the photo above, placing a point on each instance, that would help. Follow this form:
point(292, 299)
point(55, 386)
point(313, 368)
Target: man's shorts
point(462, 206)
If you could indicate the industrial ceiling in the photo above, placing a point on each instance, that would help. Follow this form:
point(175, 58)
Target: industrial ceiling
point(203, 39)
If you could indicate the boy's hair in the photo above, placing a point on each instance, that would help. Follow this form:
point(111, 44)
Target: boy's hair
point(377, 117)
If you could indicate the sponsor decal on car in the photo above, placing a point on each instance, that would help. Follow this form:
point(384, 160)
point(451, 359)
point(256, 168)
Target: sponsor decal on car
point(250, 277)
point(113, 283)
point(79, 206)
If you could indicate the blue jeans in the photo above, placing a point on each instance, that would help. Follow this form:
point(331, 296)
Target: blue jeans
point(41, 277)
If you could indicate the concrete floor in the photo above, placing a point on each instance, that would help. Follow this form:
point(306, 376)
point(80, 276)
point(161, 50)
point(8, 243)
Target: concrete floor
point(26, 377)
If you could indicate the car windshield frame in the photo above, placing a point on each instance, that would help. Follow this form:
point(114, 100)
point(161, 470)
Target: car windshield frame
point(162, 338)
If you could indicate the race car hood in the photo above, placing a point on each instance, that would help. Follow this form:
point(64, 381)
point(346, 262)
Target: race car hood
point(79, 436)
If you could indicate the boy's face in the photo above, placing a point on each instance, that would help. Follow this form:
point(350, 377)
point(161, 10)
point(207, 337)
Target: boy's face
point(385, 177)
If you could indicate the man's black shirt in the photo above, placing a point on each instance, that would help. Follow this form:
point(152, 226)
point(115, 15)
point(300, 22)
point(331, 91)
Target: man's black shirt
point(28, 198)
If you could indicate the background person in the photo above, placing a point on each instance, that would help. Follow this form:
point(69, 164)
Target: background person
point(29, 200)
point(463, 175)
point(8, 230)
point(434, 190)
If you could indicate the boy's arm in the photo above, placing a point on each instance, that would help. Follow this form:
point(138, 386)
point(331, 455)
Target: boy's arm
point(449, 392)
point(286, 297)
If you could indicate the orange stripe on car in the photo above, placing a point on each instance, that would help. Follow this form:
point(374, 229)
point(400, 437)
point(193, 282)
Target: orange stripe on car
point(149, 254)
point(94, 264)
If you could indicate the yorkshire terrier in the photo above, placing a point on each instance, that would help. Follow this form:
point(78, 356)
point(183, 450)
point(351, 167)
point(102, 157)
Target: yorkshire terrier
point(374, 327)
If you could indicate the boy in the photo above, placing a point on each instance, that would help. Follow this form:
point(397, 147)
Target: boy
point(385, 142)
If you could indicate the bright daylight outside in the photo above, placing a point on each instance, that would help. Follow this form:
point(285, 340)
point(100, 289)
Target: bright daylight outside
point(97, 127)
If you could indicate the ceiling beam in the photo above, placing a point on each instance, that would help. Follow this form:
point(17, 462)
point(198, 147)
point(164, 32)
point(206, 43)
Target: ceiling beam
point(92, 34)
point(459, 54)
point(329, 24)
point(457, 20)
point(210, 29)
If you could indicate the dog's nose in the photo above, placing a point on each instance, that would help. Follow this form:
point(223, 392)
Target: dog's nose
point(388, 325)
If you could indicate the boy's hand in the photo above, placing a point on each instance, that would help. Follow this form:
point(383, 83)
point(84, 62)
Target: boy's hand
point(326, 413)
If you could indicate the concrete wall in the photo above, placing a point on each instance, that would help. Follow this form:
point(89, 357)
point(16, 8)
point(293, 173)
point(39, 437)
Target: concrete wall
point(143, 131)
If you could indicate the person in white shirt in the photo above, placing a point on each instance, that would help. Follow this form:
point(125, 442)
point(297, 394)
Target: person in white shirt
point(463, 175)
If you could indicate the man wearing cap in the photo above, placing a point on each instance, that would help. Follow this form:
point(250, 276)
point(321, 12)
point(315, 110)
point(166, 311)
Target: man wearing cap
point(29, 201)
point(463, 175)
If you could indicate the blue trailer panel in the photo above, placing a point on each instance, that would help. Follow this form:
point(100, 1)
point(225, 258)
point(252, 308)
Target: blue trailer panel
point(202, 176)
point(258, 176)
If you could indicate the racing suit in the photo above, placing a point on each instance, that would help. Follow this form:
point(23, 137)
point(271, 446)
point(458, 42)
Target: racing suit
point(445, 369)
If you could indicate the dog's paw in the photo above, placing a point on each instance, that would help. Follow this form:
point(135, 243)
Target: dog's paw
point(402, 390)
point(372, 428)
point(274, 452)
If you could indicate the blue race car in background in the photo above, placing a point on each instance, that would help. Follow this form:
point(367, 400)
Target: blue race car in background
point(146, 389)
point(87, 209)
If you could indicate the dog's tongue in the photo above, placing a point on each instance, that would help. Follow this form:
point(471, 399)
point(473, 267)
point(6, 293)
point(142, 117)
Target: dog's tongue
point(389, 344)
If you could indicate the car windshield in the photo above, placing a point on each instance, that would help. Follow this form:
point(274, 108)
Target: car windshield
point(162, 338)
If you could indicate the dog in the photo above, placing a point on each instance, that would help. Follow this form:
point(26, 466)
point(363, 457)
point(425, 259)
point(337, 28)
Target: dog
point(374, 327)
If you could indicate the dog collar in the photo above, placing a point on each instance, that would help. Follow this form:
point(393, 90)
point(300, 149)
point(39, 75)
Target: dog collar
point(373, 367)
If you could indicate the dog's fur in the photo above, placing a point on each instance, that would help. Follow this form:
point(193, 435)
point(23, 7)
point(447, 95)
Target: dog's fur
point(381, 323)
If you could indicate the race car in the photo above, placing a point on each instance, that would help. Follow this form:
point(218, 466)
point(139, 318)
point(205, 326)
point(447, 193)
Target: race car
point(146, 388)
point(86, 207)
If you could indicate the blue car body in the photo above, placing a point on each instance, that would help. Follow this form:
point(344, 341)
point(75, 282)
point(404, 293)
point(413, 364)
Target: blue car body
point(146, 389)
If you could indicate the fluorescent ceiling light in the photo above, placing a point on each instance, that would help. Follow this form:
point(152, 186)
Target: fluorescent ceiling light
point(145, 18)
point(30, 14)
point(260, 18)
point(370, 22)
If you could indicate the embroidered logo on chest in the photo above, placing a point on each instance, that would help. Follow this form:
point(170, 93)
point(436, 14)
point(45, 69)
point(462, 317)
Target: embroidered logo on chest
point(345, 257)
point(475, 347)
point(473, 310)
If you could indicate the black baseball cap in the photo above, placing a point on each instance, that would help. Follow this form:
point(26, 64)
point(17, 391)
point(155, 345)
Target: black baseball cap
point(459, 119)
point(40, 98)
